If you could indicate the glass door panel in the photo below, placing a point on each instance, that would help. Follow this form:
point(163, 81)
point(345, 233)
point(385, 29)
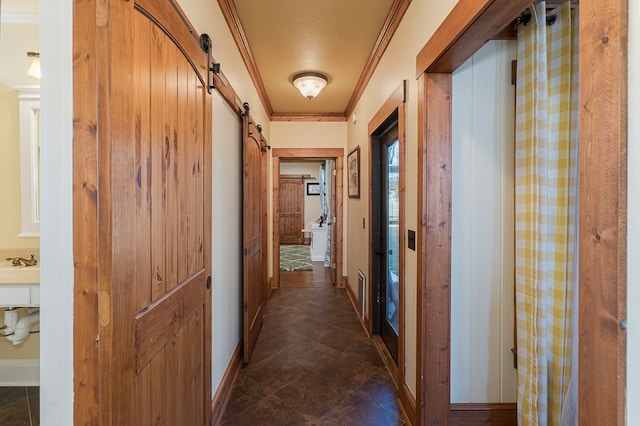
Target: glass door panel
point(392, 202)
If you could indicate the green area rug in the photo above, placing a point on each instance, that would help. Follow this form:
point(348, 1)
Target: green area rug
point(295, 258)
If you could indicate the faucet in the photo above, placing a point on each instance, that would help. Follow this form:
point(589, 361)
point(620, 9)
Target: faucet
point(21, 261)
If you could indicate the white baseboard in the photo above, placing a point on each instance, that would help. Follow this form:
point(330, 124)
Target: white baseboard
point(19, 372)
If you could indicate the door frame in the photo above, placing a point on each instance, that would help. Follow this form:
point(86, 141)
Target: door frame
point(395, 102)
point(603, 170)
point(336, 154)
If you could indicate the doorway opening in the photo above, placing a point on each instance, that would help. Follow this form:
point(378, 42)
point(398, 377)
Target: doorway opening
point(307, 217)
point(385, 265)
point(386, 300)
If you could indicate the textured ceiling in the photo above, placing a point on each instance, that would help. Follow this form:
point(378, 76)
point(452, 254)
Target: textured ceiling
point(334, 37)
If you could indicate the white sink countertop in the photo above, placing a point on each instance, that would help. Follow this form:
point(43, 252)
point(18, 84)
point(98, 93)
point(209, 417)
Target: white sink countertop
point(19, 285)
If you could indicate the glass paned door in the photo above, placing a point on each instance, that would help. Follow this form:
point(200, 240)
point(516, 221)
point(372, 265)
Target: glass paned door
point(386, 232)
point(392, 201)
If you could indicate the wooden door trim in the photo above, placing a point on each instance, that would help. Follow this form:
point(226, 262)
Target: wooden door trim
point(395, 102)
point(278, 154)
point(88, 301)
point(603, 165)
point(603, 210)
point(434, 247)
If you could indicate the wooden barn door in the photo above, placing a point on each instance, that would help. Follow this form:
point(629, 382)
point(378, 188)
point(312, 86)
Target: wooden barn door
point(254, 228)
point(152, 350)
point(291, 202)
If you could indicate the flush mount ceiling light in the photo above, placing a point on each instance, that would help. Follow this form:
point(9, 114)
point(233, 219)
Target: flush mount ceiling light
point(310, 84)
point(34, 70)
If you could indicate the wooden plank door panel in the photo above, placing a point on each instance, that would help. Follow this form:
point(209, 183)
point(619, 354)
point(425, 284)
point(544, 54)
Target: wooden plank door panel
point(152, 352)
point(291, 202)
point(254, 220)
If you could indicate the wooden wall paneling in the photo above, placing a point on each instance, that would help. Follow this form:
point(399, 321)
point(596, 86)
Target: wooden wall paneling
point(603, 210)
point(275, 164)
point(435, 250)
point(87, 402)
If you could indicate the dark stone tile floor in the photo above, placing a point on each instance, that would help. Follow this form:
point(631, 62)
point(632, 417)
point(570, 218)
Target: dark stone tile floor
point(313, 365)
point(19, 406)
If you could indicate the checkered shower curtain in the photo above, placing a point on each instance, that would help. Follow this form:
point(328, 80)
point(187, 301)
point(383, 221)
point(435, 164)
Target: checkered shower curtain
point(546, 215)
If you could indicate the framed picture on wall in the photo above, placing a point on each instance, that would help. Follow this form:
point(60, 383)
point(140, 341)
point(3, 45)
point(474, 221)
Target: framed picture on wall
point(313, 188)
point(353, 173)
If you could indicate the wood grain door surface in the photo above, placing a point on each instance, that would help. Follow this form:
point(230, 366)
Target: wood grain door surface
point(153, 215)
point(291, 202)
point(254, 225)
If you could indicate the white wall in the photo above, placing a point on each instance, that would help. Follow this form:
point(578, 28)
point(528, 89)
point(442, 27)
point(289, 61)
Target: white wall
point(633, 217)
point(56, 232)
point(226, 227)
point(482, 318)
point(312, 204)
point(398, 63)
point(285, 134)
point(16, 39)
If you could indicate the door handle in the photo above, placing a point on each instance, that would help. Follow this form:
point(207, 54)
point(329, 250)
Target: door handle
point(380, 251)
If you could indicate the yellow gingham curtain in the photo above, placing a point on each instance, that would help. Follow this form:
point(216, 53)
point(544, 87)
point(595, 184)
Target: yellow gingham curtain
point(546, 212)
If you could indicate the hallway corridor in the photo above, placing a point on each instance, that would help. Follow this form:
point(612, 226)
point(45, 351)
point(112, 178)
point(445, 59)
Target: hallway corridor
point(313, 365)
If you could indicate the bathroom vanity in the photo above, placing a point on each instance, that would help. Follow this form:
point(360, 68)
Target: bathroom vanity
point(318, 241)
point(19, 285)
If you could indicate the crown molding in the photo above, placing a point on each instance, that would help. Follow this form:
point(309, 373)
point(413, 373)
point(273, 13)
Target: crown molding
point(324, 117)
point(396, 13)
point(230, 14)
point(391, 24)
